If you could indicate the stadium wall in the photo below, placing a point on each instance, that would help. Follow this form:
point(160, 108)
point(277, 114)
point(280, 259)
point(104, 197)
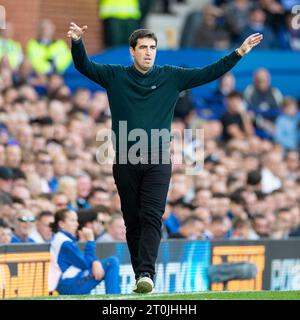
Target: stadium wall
point(26, 15)
point(182, 266)
point(284, 67)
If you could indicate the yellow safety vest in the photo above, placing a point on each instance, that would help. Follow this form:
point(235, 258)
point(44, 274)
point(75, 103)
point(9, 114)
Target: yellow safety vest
point(120, 9)
point(13, 50)
point(39, 54)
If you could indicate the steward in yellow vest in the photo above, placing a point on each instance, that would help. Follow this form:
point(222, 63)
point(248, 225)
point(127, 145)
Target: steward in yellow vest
point(120, 18)
point(46, 54)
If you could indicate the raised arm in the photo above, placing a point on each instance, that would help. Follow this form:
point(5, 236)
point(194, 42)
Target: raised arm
point(99, 73)
point(192, 77)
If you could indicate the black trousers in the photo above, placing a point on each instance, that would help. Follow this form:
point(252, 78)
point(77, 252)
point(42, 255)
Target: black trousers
point(143, 190)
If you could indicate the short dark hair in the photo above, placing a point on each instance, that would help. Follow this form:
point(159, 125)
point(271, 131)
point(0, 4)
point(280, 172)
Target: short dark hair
point(234, 94)
point(4, 224)
point(139, 34)
point(86, 215)
point(95, 190)
point(254, 177)
point(191, 220)
point(44, 213)
point(241, 223)
point(217, 219)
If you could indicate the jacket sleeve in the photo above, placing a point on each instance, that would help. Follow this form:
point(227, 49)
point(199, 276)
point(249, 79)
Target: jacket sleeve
point(187, 78)
point(73, 256)
point(89, 252)
point(102, 74)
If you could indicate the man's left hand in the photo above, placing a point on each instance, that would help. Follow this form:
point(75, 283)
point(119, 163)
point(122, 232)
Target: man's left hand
point(251, 42)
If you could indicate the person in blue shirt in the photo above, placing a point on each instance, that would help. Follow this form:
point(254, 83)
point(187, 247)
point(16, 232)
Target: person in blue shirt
point(23, 226)
point(181, 211)
point(71, 271)
point(286, 125)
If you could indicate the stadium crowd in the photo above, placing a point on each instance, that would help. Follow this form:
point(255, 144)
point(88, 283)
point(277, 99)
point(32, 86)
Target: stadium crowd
point(247, 189)
point(223, 24)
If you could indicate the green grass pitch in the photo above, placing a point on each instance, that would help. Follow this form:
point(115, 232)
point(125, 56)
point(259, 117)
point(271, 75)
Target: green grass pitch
point(225, 295)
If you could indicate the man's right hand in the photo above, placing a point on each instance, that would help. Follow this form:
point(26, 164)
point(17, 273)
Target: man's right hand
point(76, 32)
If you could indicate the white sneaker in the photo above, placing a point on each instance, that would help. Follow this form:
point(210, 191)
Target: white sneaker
point(143, 285)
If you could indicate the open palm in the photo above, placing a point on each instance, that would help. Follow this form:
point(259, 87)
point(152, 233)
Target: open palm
point(252, 41)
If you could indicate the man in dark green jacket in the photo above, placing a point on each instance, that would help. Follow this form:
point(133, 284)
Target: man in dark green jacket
point(142, 96)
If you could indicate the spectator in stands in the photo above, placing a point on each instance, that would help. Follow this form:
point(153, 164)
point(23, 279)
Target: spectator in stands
point(295, 232)
point(265, 101)
point(210, 34)
point(6, 204)
point(242, 230)
point(22, 194)
point(54, 83)
point(99, 196)
point(57, 112)
point(71, 271)
point(84, 187)
point(260, 94)
point(184, 106)
point(237, 207)
point(13, 155)
point(115, 229)
point(236, 121)
point(23, 224)
point(60, 200)
point(95, 219)
point(292, 165)
point(6, 180)
point(24, 137)
point(42, 232)
point(217, 101)
point(257, 23)
point(274, 12)
point(270, 181)
point(45, 170)
point(262, 226)
point(181, 210)
point(191, 229)
point(115, 203)
point(26, 75)
point(47, 54)
point(68, 186)
point(236, 16)
point(283, 224)
point(219, 228)
point(289, 37)
point(287, 124)
point(180, 186)
point(5, 232)
point(60, 165)
point(10, 50)
point(202, 197)
point(3, 140)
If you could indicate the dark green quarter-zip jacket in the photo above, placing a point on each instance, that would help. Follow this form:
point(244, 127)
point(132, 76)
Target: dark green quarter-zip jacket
point(145, 101)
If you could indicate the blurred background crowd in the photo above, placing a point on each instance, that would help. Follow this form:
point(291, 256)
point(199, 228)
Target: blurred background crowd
point(249, 185)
